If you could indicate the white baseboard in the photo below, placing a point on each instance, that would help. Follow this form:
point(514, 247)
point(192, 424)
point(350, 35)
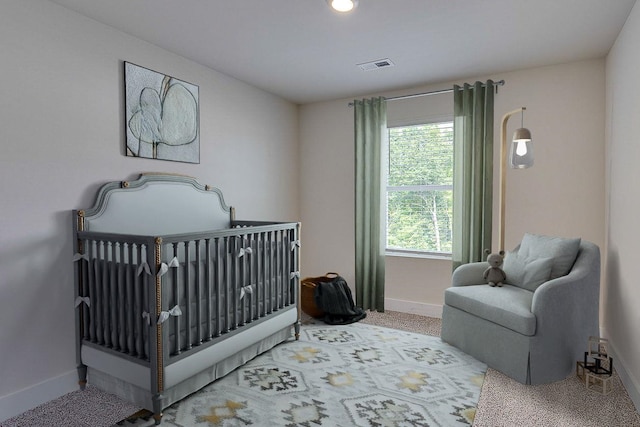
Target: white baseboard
point(412, 307)
point(631, 383)
point(23, 400)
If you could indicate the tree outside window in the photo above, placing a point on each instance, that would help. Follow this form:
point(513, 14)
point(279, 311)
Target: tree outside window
point(420, 188)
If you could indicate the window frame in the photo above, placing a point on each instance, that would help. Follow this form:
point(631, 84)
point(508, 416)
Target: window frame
point(401, 252)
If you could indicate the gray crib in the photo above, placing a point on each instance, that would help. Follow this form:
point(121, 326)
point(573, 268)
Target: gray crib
point(172, 292)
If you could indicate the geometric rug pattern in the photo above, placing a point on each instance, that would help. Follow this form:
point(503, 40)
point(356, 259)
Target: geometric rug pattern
point(341, 375)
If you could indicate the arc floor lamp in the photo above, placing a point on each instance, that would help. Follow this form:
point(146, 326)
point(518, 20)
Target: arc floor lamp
point(521, 157)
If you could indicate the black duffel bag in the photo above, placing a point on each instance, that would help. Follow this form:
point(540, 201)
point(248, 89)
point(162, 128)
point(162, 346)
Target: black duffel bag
point(334, 298)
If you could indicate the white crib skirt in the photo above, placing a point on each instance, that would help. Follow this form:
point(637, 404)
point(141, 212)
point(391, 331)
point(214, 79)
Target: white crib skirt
point(131, 381)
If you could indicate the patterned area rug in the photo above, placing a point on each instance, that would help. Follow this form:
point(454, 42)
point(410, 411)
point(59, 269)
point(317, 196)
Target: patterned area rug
point(353, 375)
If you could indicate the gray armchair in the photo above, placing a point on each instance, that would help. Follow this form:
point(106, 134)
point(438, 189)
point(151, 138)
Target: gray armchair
point(534, 335)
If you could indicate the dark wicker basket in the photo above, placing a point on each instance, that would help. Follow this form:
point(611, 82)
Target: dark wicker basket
point(308, 288)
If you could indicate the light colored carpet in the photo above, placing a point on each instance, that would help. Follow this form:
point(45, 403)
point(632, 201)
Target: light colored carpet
point(503, 401)
point(506, 403)
point(405, 322)
point(341, 375)
point(82, 408)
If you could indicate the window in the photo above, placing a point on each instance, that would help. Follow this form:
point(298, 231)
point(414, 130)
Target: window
point(420, 188)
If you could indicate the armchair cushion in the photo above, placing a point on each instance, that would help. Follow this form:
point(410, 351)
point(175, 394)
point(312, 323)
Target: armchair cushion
point(526, 273)
point(563, 251)
point(508, 306)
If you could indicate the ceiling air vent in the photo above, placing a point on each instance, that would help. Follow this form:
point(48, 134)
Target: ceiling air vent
point(374, 65)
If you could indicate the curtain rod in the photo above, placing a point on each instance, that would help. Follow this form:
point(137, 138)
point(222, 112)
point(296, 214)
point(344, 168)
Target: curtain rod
point(435, 92)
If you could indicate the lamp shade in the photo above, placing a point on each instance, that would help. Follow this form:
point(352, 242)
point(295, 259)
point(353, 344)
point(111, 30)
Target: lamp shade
point(521, 149)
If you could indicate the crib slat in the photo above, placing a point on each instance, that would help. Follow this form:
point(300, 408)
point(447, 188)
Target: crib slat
point(252, 281)
point(97, 279)
point(208, 292)
point(135, 303)
point(144, 301)
point(257, 279)
point(99, 293)
point(260, 277)
point(225, 303)
point(292, 267)
point(176, 294)
point(243, 281)
point(278, 272)
point(280, 268)
point(265, 272)
point(248, 315)
point(130, 272)
point(106, 333)
point(286, 259)
point(228, 257)
point(85, 292)
point(269, 273)
point(286, 277)
point(141, 298)
point(96, 294)
point(219, 285)
point(122, 300)
point(92, 290)
point(198, 286)
point(284, 274)
point(293, 259)
point(286, 269)
point(187, 291)
point(106, 292)
point(223, 308)
point(113, 298)
point(233, 292)
point(284, 256)
point(137, 313)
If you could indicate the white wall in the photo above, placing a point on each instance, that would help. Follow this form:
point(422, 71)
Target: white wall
point(562, 195)
point(61, 133)
point(622, 293)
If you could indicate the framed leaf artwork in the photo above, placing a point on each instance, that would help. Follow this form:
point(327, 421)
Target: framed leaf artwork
point(162, 116)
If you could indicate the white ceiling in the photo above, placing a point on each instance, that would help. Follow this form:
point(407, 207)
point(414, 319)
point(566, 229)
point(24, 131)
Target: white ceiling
point(304, 52)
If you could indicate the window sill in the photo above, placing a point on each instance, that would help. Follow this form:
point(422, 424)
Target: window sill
point(417, 254)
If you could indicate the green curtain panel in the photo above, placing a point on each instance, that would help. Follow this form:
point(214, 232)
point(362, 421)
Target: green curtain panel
point(370, 136)
point(472, 171)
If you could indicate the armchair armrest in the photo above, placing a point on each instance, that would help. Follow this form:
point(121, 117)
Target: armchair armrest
point(469, 274)
point(580, 289)
point(567, 313)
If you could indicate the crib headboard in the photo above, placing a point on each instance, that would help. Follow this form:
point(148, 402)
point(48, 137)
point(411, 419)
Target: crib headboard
point(157, 204)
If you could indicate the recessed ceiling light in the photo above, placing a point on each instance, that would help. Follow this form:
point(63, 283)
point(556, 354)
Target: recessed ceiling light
point(343, 5)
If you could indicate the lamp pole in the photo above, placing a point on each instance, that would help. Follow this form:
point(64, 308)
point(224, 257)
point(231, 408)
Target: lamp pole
point(503, 174)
